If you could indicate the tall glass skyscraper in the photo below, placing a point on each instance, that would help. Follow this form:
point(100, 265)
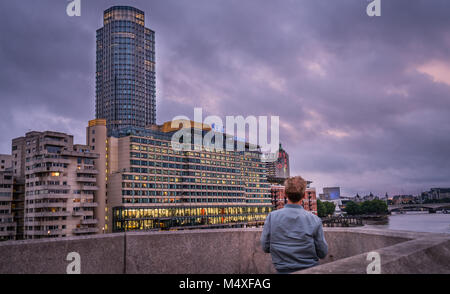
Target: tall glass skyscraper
point(126, 80)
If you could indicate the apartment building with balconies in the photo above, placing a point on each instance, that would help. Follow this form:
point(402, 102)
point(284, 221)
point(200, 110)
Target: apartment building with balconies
point(60, 185)
point(5, 162)
point(7, 224)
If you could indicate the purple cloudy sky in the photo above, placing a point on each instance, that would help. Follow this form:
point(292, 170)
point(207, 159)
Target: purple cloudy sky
point(364, 103)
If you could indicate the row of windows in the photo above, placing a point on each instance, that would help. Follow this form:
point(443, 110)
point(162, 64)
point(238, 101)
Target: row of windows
point(182, 159)
point(53, 192)
point(179, 166)
point(189, 200)
point(249, 157)
point(127, 213)
point(170, 165)
point(140, 225)
point(180, 193)
point(181, 186)
point(184, 220)
point(177, 173)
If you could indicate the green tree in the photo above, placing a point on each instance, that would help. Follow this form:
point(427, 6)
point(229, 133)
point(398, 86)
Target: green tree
point(352, 208)
point(330, 208)
point(380, 207)
point(325, 208)
point(367, 207)
point(320, 208)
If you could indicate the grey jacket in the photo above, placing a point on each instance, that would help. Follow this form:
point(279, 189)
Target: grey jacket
point(294, 237)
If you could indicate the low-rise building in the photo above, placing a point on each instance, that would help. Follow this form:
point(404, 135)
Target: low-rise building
point(403, 199)
point(279, 198)
point(436, 194)
point(330, 193)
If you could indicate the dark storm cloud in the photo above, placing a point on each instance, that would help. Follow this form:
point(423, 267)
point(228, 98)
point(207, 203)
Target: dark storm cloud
point(364, 102)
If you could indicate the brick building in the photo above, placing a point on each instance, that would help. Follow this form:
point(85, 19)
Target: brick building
point(279, 198)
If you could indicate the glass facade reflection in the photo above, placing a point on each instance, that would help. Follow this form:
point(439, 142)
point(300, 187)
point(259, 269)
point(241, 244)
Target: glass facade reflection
point(130, 219)
point(125, 76)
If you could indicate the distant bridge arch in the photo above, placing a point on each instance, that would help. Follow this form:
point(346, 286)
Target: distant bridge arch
point(433, 207)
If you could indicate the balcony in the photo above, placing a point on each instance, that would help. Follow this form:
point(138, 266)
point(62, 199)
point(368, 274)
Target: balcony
point(43, 169)
point(42, 223)
point(82, 213)
point(55, 142)
point(86, 180)
point(48, 214)
point(89, 204)
point(89, 188)
point(50, 196)
point(80, 154)
point(4, 207)
point(89, 221)
point(43, 232)
point(47, 205)
point(85, 230)
point(49, 187)
point(51, 160)
point(228, 251)
point(87, 171)
point(7, 233)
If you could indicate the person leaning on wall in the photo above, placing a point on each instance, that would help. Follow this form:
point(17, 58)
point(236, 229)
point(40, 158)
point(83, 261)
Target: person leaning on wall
point(293, 236)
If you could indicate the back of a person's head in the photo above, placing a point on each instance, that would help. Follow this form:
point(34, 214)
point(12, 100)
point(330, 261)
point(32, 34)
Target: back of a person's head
point(295, 188)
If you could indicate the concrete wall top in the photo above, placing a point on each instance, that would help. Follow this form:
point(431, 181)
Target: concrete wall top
point(227, 251)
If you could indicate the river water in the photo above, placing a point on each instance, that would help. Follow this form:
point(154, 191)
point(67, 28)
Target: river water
point(417, 222)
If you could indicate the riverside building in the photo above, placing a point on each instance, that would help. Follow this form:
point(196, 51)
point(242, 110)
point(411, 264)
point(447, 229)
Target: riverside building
point(150, 186)
point(130, 181)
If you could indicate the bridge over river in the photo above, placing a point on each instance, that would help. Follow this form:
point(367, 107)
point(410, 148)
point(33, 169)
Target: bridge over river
point(431, 207)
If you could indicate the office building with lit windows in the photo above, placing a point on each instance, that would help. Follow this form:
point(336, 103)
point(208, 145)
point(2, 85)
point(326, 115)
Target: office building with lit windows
point(151, 186)
point(59, 183)
point(125, 75)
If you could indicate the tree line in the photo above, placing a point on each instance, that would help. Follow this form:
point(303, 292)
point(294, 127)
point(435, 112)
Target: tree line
point(375, 206)
point(325, 208)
